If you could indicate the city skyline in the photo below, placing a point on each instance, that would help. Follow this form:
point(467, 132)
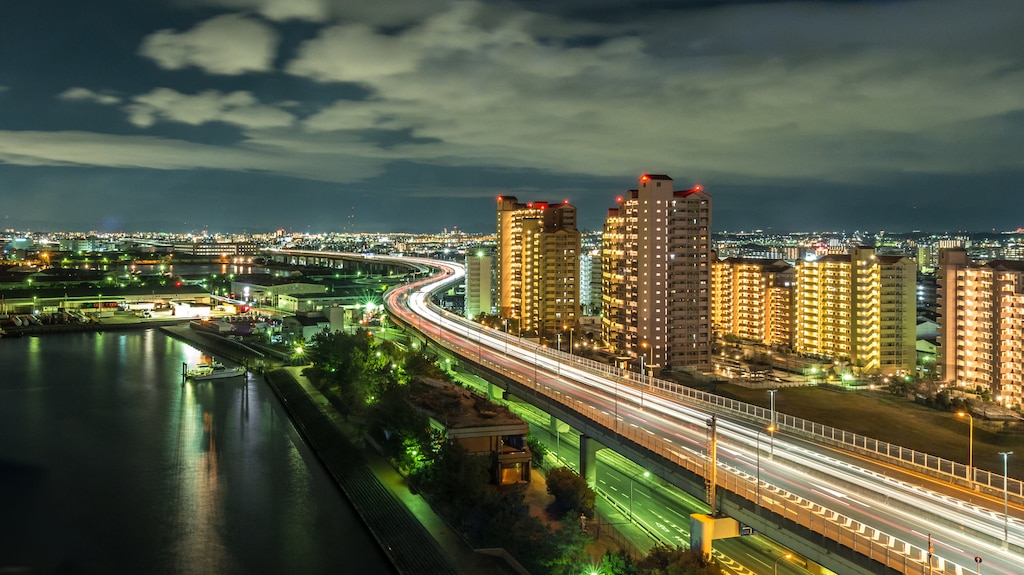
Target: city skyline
point(251, 115)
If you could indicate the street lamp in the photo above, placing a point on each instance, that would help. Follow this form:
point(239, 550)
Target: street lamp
point(771, 424)
point(632, 477)
point(769, 429)
point(1006, 502)
point(970, 457)
point(641, 381)
point(505, 335)
point(558, 364)
point(787, 557)
point(650, 364)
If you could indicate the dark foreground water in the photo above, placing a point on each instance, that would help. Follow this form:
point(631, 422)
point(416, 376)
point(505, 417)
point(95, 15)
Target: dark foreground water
point(108, 464)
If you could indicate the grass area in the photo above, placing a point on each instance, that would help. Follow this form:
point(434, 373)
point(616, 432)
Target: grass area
point(883, 416)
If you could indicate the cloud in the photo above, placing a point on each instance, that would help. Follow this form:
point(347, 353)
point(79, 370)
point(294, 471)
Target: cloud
point(239, 108)
point(390, 13)
point(79, 94)
point(821, 94)
point(335, 160)
point(231, 44)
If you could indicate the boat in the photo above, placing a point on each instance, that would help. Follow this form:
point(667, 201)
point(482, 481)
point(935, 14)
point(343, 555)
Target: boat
point(214, 370)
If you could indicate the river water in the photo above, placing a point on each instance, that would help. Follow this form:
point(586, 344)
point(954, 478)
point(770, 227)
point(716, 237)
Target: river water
point(109, 464)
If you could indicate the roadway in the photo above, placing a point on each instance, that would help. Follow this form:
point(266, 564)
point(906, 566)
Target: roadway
point(644, 508)
point(898, 511)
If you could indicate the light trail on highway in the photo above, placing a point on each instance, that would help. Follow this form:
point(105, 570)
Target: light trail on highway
point(850, 492)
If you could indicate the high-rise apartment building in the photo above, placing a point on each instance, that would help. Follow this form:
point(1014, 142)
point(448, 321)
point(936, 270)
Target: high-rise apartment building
point(590, 282)
point(858, 308)
point(538, 265)
point(656, 274)
point(753, 299)
point(479, 284)
point(981, 324)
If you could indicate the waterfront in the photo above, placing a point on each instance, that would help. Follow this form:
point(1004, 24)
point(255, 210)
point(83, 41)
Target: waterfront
point(109, 464)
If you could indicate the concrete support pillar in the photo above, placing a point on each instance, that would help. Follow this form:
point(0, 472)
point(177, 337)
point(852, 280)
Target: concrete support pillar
point(588, 460)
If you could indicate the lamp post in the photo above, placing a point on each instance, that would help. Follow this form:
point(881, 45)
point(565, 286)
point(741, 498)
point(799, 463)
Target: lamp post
point(641, 381)
point(631, 478)
point(505, 335)
point(771, 424)
point(1006, 502)
point(787, 556)
point(650, 364)
point(558, 358)
point(970, 457)
point(769, 429)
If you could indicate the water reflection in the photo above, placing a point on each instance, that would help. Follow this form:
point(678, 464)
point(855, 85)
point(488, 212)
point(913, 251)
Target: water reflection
point(144, 473)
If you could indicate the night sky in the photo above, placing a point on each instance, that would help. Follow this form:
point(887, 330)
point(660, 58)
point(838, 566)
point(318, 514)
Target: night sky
point(412, 115)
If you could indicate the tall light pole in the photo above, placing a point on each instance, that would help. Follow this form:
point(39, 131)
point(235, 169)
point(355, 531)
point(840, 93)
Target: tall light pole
point(535, 350)
point(787, 557)
point(771, 424)
point(505, 336)
point(650, 364)
point(769, 429)
point(558, 358)
point(641, 381)
point(970, 457)
point(1006, 502)
point(632, 477)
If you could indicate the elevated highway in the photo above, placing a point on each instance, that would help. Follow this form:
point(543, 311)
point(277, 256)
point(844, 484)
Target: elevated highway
point(866, 508)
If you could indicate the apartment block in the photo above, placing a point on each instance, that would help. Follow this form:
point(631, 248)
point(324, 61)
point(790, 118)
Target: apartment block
point(858, 308)
point(981, 324)
point(656, 274)
point(753, 299)
point(479, 284)
point(538, 265)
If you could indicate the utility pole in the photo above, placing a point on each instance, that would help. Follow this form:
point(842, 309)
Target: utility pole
point(712, 462)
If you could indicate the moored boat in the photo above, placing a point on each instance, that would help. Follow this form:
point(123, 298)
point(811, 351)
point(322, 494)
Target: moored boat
point(214, 370)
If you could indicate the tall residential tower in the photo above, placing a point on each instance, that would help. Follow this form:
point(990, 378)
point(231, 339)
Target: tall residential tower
point(538, 265)
point(858, 307)
point(981, 325)
point(656, 274)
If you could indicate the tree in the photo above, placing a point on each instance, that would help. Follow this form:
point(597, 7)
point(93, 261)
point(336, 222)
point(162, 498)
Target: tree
point(663, 560)
point(571, 491)
point(537, 450)
point(572, 557)
point(618, 563)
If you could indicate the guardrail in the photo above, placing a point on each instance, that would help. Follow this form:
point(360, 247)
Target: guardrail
point(877, 545)
point(863, 539)
point(716, 403)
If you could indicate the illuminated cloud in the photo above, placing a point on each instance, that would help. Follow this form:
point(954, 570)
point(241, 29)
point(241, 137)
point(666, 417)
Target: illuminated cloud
point(231, 44)
point(490, 92)
point(331, 161)
point(444, 96)
point(87, 95)
point(390, 13)
point(239, 108)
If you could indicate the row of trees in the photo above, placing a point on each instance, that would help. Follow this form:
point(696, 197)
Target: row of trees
point(370, 381)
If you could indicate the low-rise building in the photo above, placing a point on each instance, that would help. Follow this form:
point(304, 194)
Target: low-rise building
point(485, 429)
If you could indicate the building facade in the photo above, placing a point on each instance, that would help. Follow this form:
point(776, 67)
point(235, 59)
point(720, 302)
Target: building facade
point(656, 274)
point(590, 282)
point(753, 299)
point(858, 308)
point(981, 325)
point(479, 284)
point(538, 265)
